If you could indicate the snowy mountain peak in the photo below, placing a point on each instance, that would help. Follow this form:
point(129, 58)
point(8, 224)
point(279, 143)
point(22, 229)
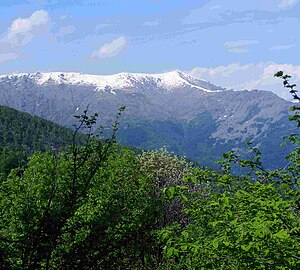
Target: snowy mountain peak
point(122, 81)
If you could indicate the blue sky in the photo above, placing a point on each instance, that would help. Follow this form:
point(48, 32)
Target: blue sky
point(234, 43)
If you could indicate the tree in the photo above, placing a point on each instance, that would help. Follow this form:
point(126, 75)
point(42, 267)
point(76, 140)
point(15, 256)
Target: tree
point(90, 207)
point(245, 222)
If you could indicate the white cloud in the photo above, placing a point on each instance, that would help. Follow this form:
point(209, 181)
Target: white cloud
point(238, 50)
point(7, 56)
point(22, 30)
point(215, 7)
point(287, 3)
point(238, 46)
point(20, 33)
point(282, 47)
point(103, 26)
point(239, 43)
point(65, 30)
point(110, 49)
point(152, 23)
point(251, 76)
point(63, 17)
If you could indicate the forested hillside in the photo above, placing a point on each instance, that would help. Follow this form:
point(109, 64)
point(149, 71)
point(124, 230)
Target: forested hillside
point(21, 134)
point(101, 206)
point(188, 116)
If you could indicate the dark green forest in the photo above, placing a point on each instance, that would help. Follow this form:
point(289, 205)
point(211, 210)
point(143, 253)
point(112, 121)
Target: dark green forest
point(97, 205)
point(194, 139)
point(21, 134)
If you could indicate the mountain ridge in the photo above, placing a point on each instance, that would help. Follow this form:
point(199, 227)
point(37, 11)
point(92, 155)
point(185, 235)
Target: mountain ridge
point(187, 119)
point(121, 80)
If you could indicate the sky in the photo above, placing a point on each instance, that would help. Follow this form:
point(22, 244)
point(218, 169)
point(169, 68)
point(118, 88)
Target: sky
point(233, 43)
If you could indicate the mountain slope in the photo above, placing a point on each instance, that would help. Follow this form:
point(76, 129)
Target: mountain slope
point(190, 116)
point(21, 134)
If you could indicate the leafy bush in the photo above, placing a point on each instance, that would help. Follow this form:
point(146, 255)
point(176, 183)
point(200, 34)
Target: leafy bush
point(246, 222)
point(88, 208)
point(100, 206)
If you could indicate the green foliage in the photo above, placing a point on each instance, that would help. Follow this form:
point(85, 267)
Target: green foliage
point(163, 168)
point(87, 208)
point(101, 206)
point(195, 138)
point(248, 226)
point(165, 171)
point(21, 134)
point(245, 222)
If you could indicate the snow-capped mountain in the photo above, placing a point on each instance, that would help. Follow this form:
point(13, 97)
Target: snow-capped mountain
point(121, 81)
point(190, 116)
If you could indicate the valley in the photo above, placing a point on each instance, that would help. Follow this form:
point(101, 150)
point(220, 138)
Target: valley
point(188, 116)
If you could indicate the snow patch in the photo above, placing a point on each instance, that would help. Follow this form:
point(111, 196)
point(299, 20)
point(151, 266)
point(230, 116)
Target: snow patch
point(168, 80)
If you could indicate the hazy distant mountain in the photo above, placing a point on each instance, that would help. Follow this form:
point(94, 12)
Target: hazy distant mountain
point(189, 116)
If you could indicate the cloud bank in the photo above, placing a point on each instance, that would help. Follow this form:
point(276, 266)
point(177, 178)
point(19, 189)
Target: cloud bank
point(7, 56)
point(22, 30)
point(65, 30)
point(239, 46)
point(110, 49)
point(20, 33)
point(250, 76)
point(287, 3)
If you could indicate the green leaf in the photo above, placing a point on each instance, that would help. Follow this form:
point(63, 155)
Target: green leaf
point(246, 247)
point(215, 244)
point(170, 251)
point(185, 234)
point(184, 247)
point(170, 192)
point(278, 74)
point(282, 234)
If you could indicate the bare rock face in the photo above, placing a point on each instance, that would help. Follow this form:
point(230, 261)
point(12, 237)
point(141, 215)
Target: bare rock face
point(189, 116)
